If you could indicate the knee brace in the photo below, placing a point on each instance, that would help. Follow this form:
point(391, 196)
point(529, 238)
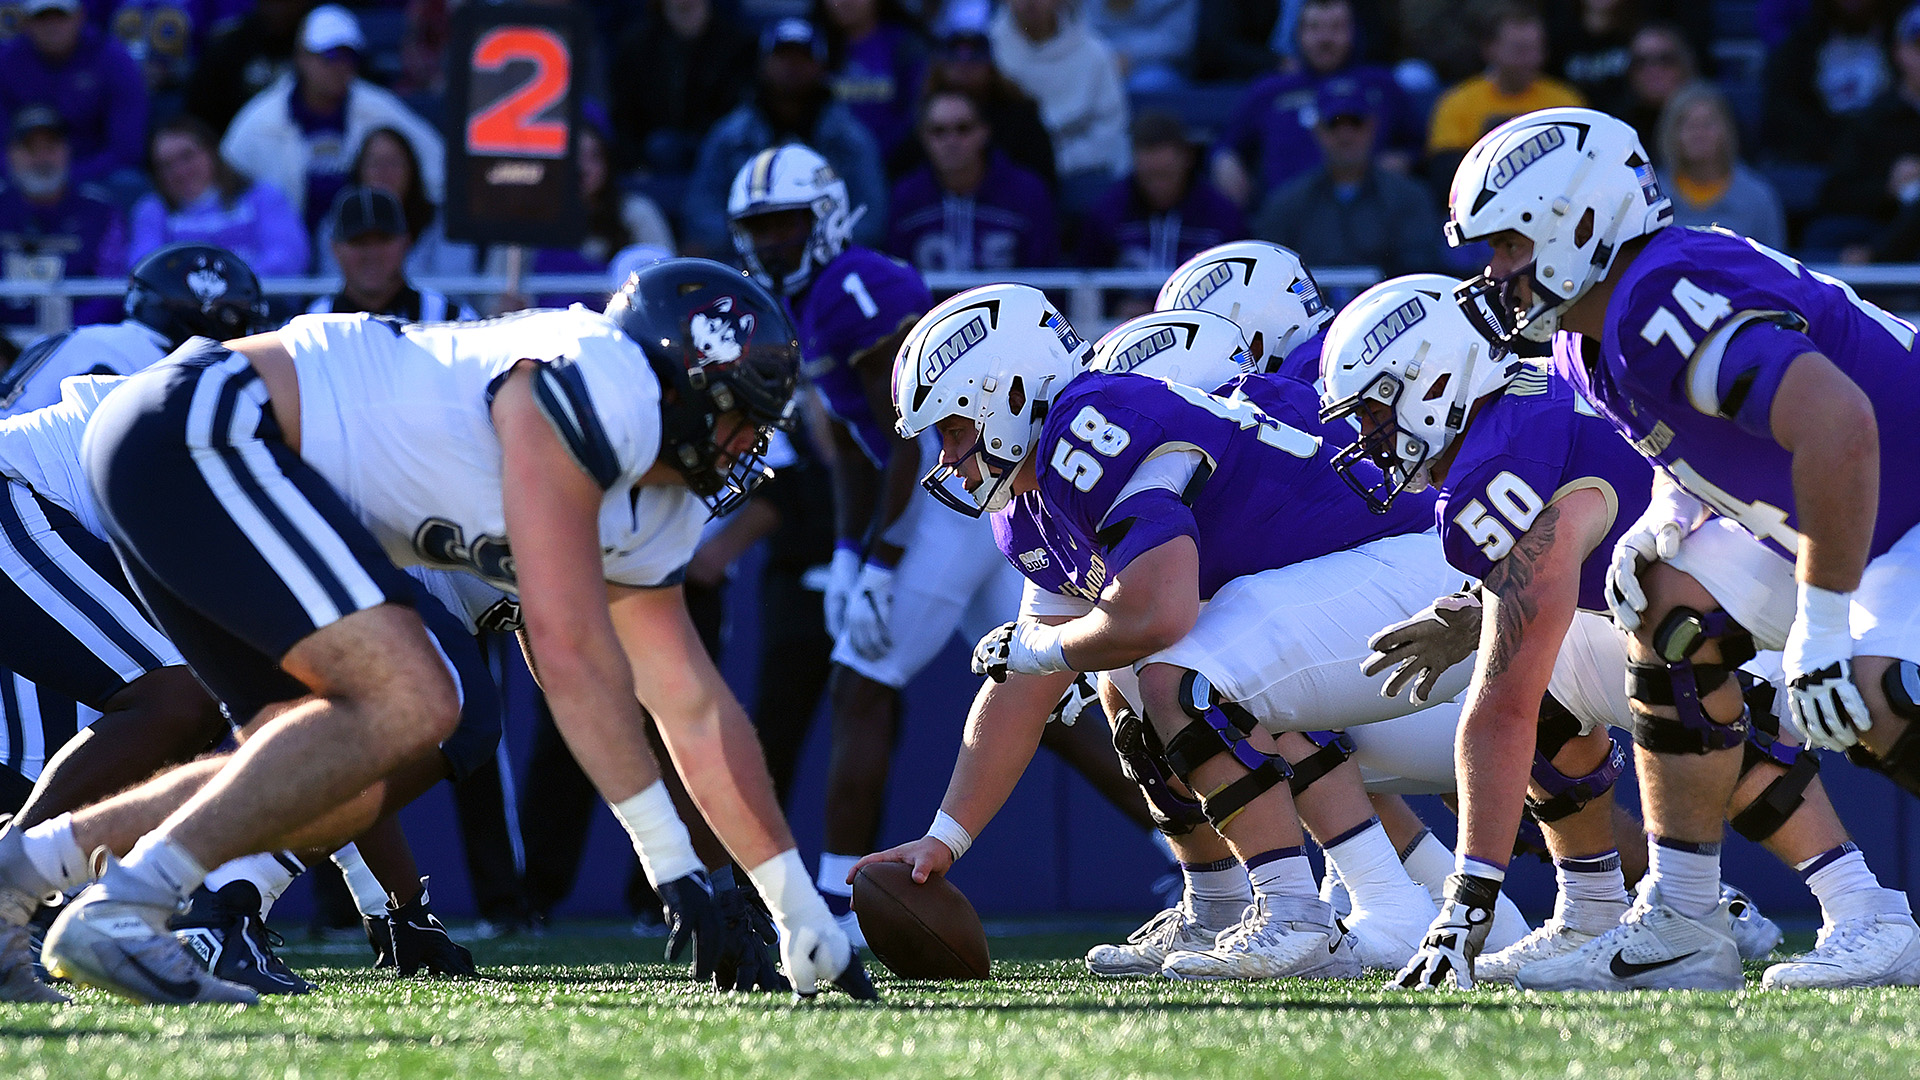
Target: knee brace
point(1335, 748)
point(1681, 683)
point(1779, 800)
point(1212, 731)
point(1558, 727)
point(1901, 763)
point(1144, 761)
point(1566, 795)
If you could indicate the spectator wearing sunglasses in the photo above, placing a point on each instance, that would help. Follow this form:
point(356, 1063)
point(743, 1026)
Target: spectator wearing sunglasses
point(969, 207)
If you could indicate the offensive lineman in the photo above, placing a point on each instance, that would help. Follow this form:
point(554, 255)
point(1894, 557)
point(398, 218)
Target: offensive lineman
point(1781, 511)
point(1534, 488)
point(254, 447)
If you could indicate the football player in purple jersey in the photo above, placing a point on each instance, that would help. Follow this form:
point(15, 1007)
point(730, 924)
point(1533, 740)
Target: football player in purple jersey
point(1534, 490)
point(1163, 523)
point(1268, 292)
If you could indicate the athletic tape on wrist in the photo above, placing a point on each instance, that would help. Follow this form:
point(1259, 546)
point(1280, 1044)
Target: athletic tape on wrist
point(951, 833)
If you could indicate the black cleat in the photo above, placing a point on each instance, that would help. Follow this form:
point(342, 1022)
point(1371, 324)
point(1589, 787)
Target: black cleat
point(409, 937)
point(224, 931)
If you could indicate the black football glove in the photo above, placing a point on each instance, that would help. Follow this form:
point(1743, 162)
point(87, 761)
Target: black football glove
point(693, 919)
point(746, 956)
point(410, 938)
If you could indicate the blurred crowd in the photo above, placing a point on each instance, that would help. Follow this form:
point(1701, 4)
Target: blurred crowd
point(976, 135)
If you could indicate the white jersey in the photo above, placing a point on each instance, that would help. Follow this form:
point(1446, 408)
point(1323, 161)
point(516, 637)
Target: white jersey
point(478, 605)
point(41, 449)
point(33, 381)
point(396, 417)
point(435, 306)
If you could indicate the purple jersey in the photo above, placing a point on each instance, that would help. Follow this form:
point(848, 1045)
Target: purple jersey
point(1699, 332)
point(1007, 223)
point(856, 300)
point(1265, 497)
point(1525, 449)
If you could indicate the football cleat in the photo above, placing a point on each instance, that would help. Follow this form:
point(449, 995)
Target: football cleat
point(1654, 948)
point(114, 937)
point(1288, 938)
point(1177, 929)
point(19, 982)
point(225, 931)
point(1385, 939)
point(410, 937)
point(1756, 934)
point(23, 889)
point(1552, 938)
point(1876, 949)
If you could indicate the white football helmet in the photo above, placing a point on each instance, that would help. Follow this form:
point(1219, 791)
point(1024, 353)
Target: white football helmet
point(1574, 181)
point(1405, 344)
point(1193, 348)
point(1263, 287)
point(998, 356)
point(783, 178)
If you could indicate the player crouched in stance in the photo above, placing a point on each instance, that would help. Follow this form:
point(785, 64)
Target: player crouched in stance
point(1140, 499)
point(1751, 384)
point(1404, 360)
point(302, 465)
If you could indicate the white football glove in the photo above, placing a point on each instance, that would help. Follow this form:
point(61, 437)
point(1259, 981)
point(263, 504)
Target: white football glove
point(1655, 537)
point(842, 572)
point(1445, 959)
point(1823, 705)
point(868, 610)
point(813, 948)
point(1425, 647)
point(1022, 648)
point(1080, 694)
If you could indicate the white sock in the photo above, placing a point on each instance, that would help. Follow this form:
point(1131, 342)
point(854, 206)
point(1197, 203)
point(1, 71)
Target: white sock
point(833, 873)
point(1428, 864)
point(368, 894)
point(659, 837)
point(156, 856)
point(270, 874)
point(52, 850)
point(1845, 885)
point(1686, 873)
point(1592, 893)
point(1217, 892)
point(1282, 872)
point(1369, 867)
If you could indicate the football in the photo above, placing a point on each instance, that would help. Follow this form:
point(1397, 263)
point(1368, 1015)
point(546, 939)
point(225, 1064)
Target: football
point(919, 931)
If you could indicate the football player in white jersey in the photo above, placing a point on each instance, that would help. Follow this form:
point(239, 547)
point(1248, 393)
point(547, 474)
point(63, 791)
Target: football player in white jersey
point(304, 464)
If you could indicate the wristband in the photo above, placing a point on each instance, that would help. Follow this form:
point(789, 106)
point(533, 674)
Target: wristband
point(1825, 613)
point(1468, 866)
point(1045, 644)
point(951, 833)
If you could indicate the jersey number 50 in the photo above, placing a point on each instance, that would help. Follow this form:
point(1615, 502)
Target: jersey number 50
point(1516, 501)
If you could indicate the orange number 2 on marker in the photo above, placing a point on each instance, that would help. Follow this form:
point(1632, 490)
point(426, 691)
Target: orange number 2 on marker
point(510, 125)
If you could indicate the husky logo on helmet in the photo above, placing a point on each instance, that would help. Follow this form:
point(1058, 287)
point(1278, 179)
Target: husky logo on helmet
point(718, 335)
point(207, 282)
point(1384, 332)
point(1195, 294)
point(1515, 162)
point(944, 355)
point(1062, 329)
point(1145, 349)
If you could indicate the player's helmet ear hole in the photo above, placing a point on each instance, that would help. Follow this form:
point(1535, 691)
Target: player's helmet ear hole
point(1439, 386)
point(1584, 231)
point(1017, 395)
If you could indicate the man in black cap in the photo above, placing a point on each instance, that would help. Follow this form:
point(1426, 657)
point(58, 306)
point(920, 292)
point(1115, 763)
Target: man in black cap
point(51, 229)
point(370, 242)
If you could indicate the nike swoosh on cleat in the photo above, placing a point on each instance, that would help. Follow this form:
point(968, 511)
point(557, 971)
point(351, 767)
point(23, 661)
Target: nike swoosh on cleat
point(185, 990)
point(1626, 969)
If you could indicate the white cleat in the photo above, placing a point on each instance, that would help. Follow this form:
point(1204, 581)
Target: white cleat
point(1653, 948)
point(1756, 934)
point(1275, 939)
point(1386, 940)
point(1177, 929)
point(1880, 949)
point(1551, 939)
point(115, 937)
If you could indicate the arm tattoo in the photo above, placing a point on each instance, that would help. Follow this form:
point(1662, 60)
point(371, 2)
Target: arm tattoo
point(1511, 581)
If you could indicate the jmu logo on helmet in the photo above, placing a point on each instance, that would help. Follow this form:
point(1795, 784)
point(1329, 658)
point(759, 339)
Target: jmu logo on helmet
point(1388, 330)
point(1210, 282)
point(1145, 349)
point(948, 352)
point(1516, 160)
point(719, 334)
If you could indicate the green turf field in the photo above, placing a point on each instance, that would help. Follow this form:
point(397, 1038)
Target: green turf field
point(580, 1007)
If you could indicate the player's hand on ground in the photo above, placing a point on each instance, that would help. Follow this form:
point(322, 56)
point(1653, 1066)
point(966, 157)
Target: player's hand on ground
point(1445, 959)
point(1080, 694)
point(817, 951)
point(842, 572)
point(745, 962)
point(693, 920)
point(869, 609)
point(1424, 647)
point(926, 855)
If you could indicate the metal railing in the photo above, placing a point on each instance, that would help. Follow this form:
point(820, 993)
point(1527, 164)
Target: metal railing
point(1086, 291)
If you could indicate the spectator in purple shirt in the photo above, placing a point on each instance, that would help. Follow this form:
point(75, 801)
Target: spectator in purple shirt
point(877, 56)
point(969, 207)
point(49, 227)
point(198, 197)
point(85, 74)
point(1163, 212)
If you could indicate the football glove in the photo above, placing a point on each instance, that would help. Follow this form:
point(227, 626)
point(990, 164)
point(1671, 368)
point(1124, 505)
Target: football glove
point(410, 938)
point(813, 954)
point(1425, 647)
point(693, 919)
point(869, 607)
point(1080, 694)
point(1824, 707)
point(1655, 537)
point(745, 962)
point(1445, 959)
point(841, 574)
point(1024, 648)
